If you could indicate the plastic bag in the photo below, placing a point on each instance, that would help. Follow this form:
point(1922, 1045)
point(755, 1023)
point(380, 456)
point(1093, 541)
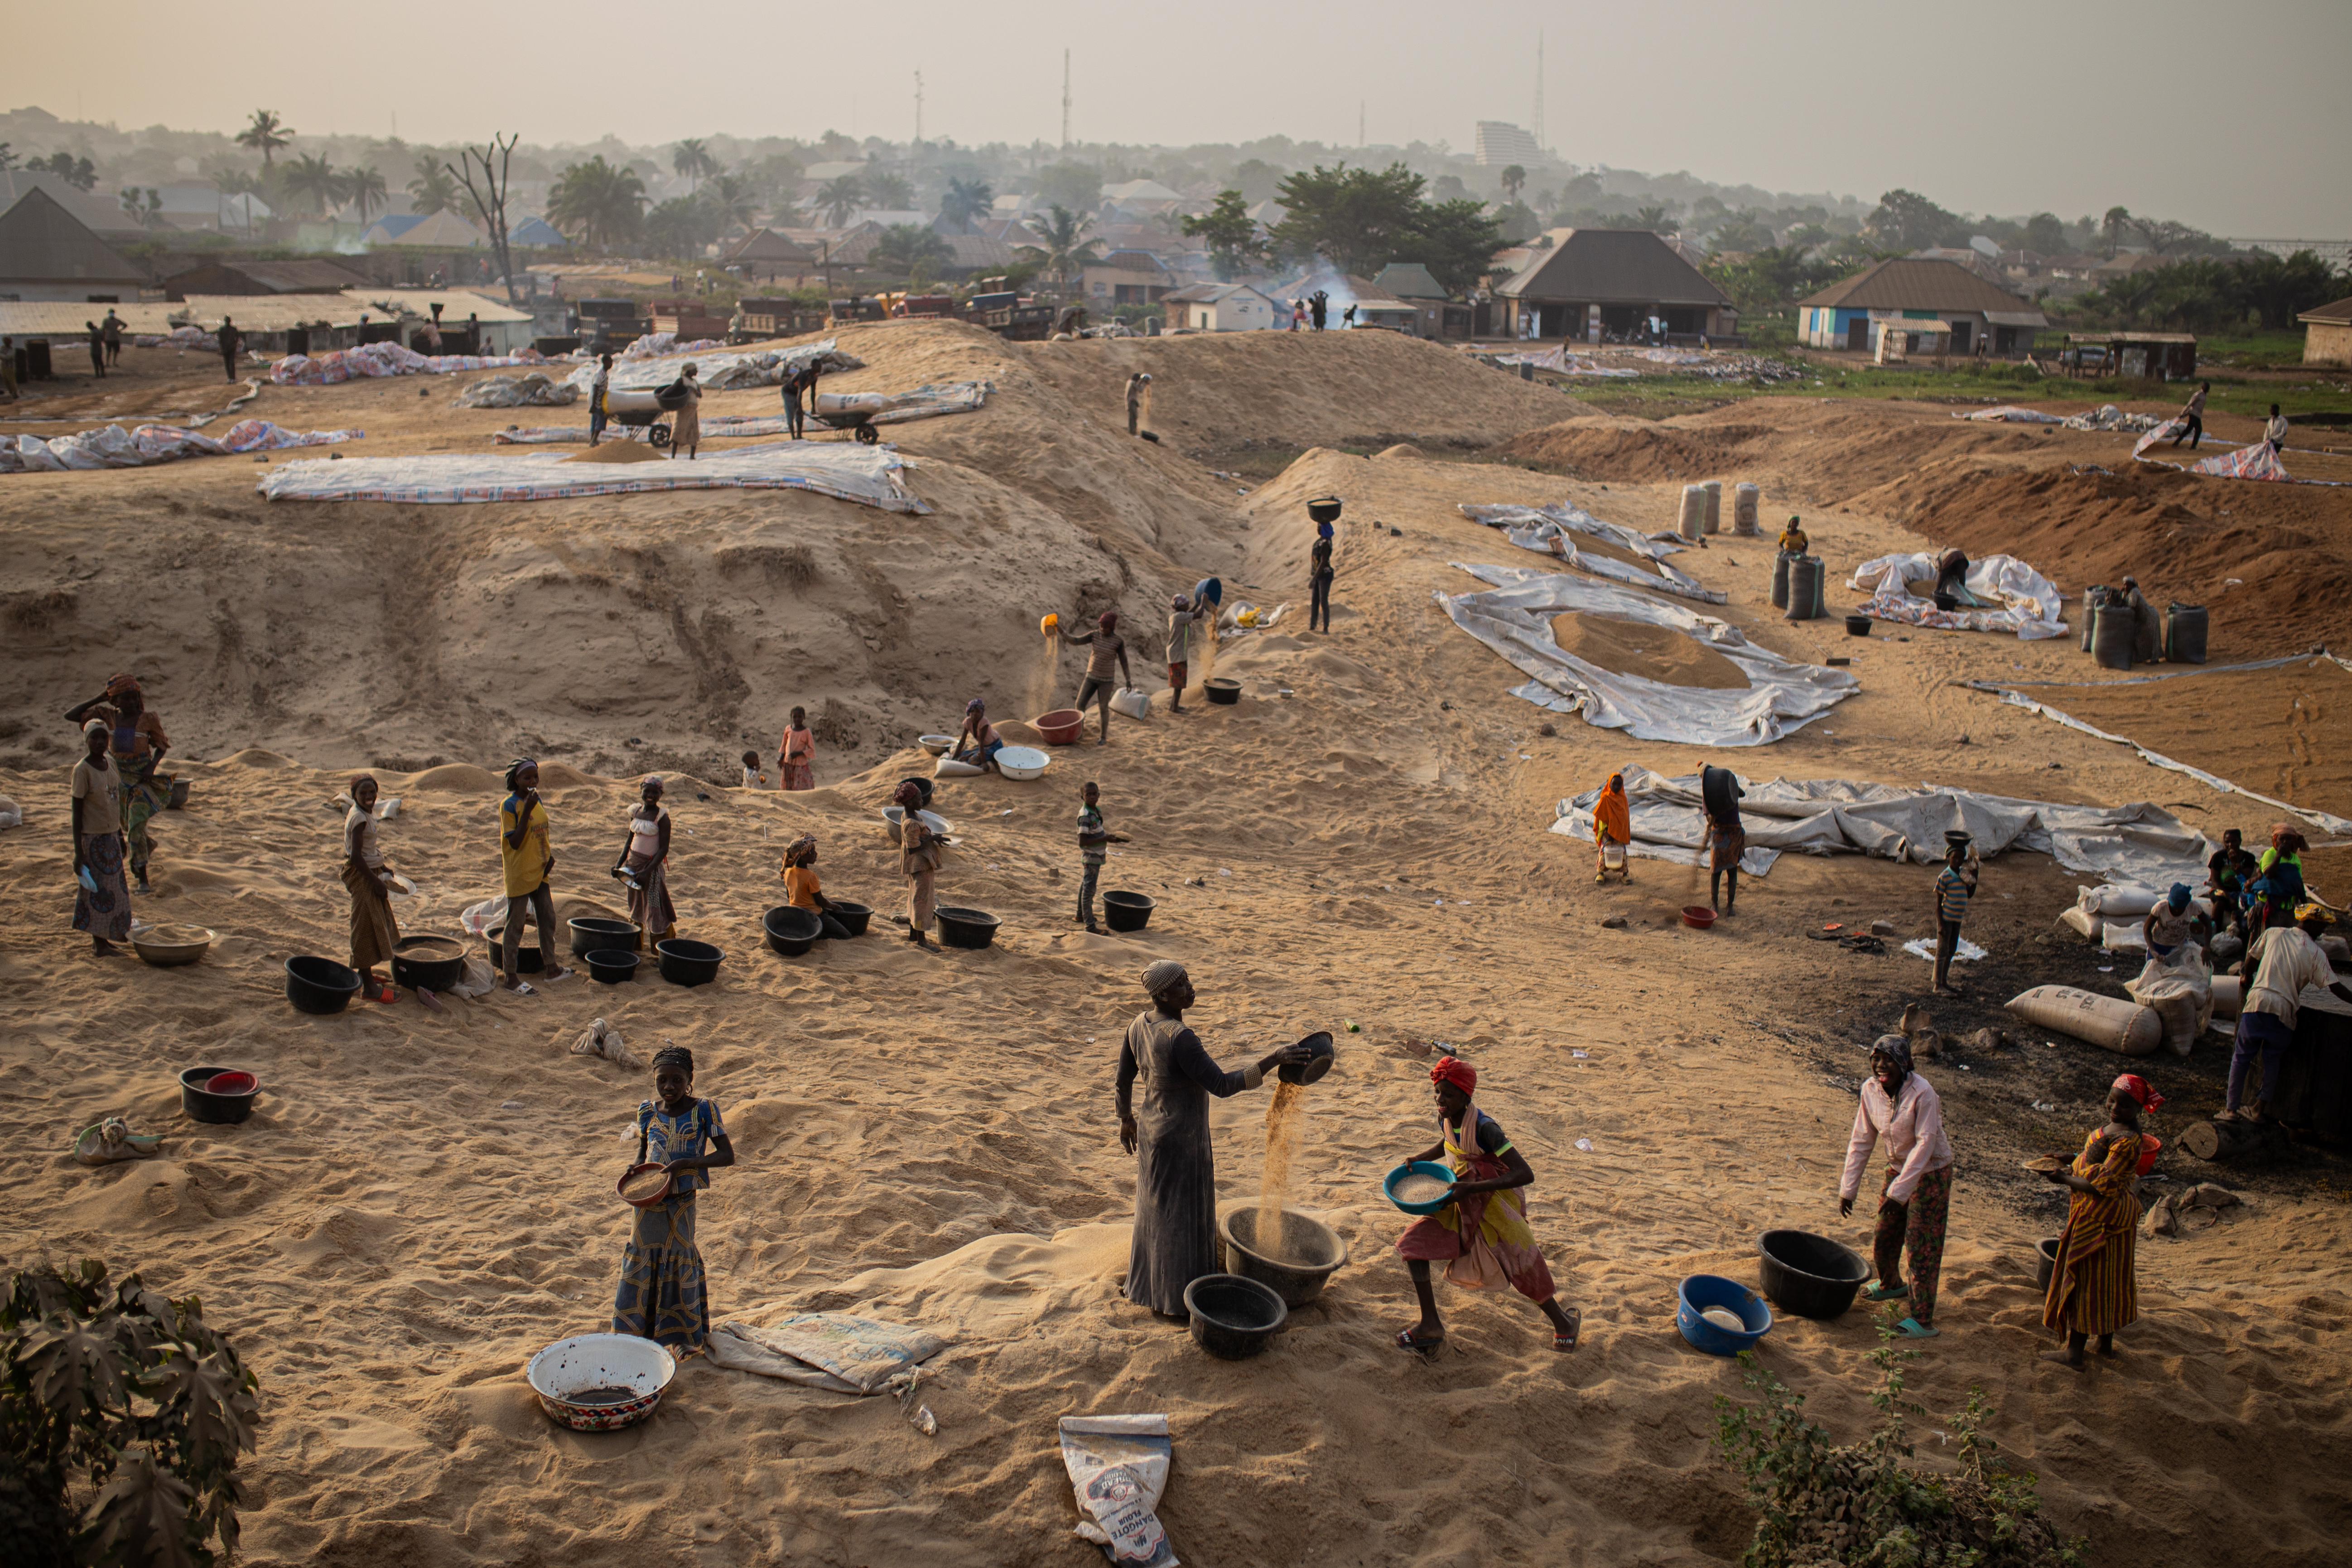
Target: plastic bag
point(1119, 1468)
point(477, 918)
point(1132, 701)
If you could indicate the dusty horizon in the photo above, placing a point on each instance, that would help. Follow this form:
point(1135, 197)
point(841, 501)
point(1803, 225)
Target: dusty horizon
point(2030, 110)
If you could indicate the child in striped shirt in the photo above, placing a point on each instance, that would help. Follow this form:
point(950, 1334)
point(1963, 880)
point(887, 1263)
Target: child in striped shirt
point(1955, 885)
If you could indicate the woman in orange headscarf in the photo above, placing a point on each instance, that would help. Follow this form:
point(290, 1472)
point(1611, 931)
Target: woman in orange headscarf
point(2092, 1287)
point(1612, 822)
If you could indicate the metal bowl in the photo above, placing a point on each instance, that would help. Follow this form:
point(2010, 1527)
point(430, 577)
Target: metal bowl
point(168, 946)
point(587, 1364)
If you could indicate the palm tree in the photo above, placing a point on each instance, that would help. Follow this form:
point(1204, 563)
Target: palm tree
point(266, 134)
point(434, 190)
point(1656, 220)
point(732, 205)
point(691, 159)
point(893, 192)
point(837, 198)
point(365, 189)
point(145, 206)
point(600, 202)
point(966, 200)
point(913, 248)
point(1062, 247)
point(313, 182)
point(2113, 225)
point(1514, 179)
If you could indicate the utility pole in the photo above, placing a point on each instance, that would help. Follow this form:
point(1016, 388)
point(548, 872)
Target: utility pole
point(918, 106)
point(1538, 116)
point(1066, 100)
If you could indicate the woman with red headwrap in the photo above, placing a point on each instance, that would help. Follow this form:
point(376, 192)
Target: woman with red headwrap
point(1612, 822)
point(1482, 1234)
point(2091, 1287)
point(1104, 648)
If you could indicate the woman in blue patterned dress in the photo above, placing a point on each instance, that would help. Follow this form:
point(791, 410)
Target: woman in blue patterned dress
point(662, 1296)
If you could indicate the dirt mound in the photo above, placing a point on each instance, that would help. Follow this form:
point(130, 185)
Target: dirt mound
point(1652, 653)
point(461, 778)
point(1637, 449)
point(1214, 390)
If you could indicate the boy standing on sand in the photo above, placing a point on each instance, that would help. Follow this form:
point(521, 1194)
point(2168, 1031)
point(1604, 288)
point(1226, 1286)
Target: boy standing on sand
point(1094, 840)
point(1955, 885)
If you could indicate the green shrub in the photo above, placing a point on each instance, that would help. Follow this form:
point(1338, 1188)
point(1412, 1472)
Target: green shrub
point(122, 1416)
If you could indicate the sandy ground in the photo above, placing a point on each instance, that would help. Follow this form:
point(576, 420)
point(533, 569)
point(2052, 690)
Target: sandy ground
point(422, 1201)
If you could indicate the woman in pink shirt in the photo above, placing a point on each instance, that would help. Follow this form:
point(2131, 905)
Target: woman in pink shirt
point(1898, 1105)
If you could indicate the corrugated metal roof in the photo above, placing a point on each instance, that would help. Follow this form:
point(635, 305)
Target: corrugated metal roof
point(103, 215)
point(770, 245)
point(1908, 283)
point(41, 242)
point(304, 277)
point(456, 304)
point(1410, 280)
point(1613, 266)
point(269, 312)
point(65, 318)
point(2335, 315)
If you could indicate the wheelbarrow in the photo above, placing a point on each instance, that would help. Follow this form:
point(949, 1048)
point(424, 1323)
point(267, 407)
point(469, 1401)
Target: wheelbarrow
point(851, 411)
point(645, 410)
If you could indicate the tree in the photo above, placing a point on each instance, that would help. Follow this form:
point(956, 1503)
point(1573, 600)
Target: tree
point(121, 1417)
point(1353, 217)
point(894, 193)
point(1231, 234)
point(1657, 220)
point(1455, 240)
point(492, 161)
point(2045, 233)
point(914, 249)
point(600, 203)
point(1077, 186)
point(2165, 236)
point(266, 134)
point(365, 189)
point(145, 207)
point(1061, 245)
point(434, 190)
point(1514, 180)
point(79, 173)
point(312, 182)
point(1905, 220)
point(2111, 227)
point(691, 159)
point(1257, 179)
point(838, 197)
point(7, 158)
point(965, 200)
point(1773, 278)
point(681, 226)
point(731, 203)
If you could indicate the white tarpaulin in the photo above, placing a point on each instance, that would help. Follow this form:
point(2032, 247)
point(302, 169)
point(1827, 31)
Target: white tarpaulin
point(1546, 530)
point(2135, 843)
point(2030, 604)
point(867, 475)
point(725, 370)
point(112, 446)
point(2008, 413)
point(1513, 617)
point(926, 401)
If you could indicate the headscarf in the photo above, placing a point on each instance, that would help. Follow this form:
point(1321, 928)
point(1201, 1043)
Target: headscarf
point(653, 779)
point(1323, 531)
point(2178, 897)
point(1895, 1048)
point(674, 1056)
point(1161, 975)
point(796, 853)
point(1180, 603)
point(2312, 913)
point(1612, 814)
point(2287, 840)
point(514, 772)
point(1107, 620)
point(125, 684)
point(1454, 1070)
point(94, 726)
point(2140, 1089)
point(974, 706)
point(909, 796)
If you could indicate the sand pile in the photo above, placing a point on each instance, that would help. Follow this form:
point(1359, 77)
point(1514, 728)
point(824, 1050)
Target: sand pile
point(1652, 653)
point(620, 451)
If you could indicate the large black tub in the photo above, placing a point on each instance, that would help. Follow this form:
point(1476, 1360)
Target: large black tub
point(320, 984)
point(530, 957)
point(428, 963)
point(1234, 1317)
point(1126, 912)
point(594, 934)
point(854, 918)
point(967, 928)
point(792, 930)
point(684, 963)
point(1809, 1274)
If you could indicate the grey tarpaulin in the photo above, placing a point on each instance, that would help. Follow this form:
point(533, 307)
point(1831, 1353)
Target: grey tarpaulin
point(718, 370)
point(867, 475)
point(1514, 618)
point(1546, 528)
point(2135, 843)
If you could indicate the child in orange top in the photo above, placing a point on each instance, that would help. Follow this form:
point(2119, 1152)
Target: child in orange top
point(802, 889)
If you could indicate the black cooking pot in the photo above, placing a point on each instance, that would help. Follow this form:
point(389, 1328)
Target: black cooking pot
point(1127, 912)
point(967, 928)
point(1324, 508)
point(792, 930)
point(428, 963)
point(687, 963)
point(1222, 691)
point(854, 918)
point(1809, 1274)
point(320, 984)
point(593, 933)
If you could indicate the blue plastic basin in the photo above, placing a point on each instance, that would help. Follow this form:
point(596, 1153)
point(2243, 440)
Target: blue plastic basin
point(1701, 1291)
point(1420, 1168)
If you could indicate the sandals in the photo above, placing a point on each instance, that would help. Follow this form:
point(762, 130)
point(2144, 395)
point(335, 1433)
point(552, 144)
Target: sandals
point(1913, 1329)
point(1883, 1293)
point(112, 1140)
point(1408, 1340)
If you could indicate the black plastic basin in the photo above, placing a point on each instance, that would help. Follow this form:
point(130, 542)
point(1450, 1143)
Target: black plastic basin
point(1222, 691)
point(854, 918)
point(967, 928)
point(1234, 1317)
point(1809, 1274)
point(1317, 1062)
point(1857, 626)
point(2046, 1262)
point(206, 1106)
point(792, 930)
point(614, 967)
point(530, 957)
point(1324, 508)
point(687, 963)
point(1126, 912)
point(320, 984)
point(593, 933)
point(428, 963)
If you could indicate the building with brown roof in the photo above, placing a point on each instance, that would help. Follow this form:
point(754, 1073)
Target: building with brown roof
point(1979, 317)
point(1591, 282)
point(306, 276)
point(2327, 333)
point(47, 252)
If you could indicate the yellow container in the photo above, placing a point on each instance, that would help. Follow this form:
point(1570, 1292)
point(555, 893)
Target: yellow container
point(1047, 626)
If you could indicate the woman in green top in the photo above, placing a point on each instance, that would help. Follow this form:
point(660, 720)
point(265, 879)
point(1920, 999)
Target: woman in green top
point(2283, 864)
point(522, 849)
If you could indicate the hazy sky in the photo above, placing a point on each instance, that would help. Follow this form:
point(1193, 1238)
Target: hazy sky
point(2234, 118)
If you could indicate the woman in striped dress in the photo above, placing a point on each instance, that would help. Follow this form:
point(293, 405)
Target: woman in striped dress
point(2092, 1288)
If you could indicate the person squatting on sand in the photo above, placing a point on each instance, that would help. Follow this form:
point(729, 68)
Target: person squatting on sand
point(920, 853)
point(1792, 537)
point(2282, 963)
point(1482, 1234)
point(524, 855)
point(977, 741)
point(1916, 1203)
point(1955, 884)
point(1105, 648)
point(135, 735)
point(1093, 842)
point(643, 865)
point(1167, 1132)
point(102, 903)
point(803, 891)
point(796, 755)
point(2092, 1288)
point(375, 933)
point(1612, 822)
point(662, 1295)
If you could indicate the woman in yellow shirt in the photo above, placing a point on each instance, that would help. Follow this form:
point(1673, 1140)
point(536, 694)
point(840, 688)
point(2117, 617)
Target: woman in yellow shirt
point(523, 851)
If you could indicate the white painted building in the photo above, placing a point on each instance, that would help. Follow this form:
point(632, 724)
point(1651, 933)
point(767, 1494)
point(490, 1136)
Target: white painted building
point(1221, 308)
